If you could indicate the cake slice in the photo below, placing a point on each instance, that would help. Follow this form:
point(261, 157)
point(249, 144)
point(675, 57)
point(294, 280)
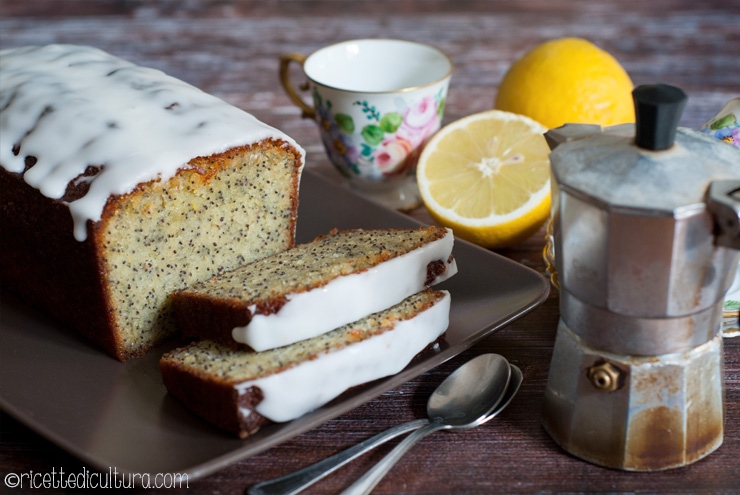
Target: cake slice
point(241, 391)
point(315, 287)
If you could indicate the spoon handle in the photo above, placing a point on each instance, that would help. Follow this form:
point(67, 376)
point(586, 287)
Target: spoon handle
point(296, 481)
point(367, 482)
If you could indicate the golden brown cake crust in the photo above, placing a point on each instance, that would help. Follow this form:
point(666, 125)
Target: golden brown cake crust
point(215, 401)
point(200, 316)
point(46, 266)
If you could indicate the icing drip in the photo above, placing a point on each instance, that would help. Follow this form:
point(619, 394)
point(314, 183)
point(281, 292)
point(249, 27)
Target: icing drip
point(294, 392)
point(347, 298)
point(68, 107)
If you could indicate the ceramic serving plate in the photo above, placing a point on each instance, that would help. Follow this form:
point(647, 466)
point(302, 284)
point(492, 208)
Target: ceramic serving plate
point(110, 414)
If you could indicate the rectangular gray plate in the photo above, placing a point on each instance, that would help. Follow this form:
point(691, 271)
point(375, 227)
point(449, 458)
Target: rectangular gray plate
point(119, 415)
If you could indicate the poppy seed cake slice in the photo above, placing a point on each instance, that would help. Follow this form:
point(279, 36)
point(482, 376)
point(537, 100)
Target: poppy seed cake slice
point(315, 287)
point(240, 391)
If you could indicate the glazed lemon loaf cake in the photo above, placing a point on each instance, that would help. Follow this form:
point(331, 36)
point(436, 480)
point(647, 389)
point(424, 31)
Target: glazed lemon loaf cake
point(315, 287)
point(121, 184)
point(240, 391)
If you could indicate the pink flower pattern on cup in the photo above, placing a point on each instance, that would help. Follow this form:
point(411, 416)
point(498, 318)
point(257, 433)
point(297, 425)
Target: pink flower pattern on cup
point(387, 143)
point(391, 155)
point(420, 121)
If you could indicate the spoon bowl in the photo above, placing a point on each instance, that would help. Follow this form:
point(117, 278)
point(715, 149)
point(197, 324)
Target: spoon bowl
point(465, 397)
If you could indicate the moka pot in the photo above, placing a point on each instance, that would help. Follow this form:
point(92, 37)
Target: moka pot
point(646, 232)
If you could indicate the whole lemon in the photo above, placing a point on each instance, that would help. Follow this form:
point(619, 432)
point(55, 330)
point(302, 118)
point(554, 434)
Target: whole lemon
point(568, 80)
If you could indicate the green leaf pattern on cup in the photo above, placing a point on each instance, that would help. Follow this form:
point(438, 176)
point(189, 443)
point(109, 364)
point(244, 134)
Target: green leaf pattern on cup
point(391, 121)
point(384, 143)
point(370, 112)
point(345, 123)
point(372, 134)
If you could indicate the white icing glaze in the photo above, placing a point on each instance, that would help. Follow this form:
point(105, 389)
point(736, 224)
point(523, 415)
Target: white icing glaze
point(311, 384)
point(347, 298)
point(72, 107)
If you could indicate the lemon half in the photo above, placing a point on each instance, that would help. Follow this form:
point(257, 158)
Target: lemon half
point(487, 177)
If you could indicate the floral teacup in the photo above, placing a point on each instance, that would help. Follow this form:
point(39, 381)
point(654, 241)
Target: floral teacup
point(726, 124)
point(377, 102)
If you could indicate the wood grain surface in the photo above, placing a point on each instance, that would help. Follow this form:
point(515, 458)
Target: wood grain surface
point(231, 49)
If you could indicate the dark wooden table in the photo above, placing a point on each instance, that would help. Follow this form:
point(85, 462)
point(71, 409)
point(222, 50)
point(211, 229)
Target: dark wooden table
point(231, 49)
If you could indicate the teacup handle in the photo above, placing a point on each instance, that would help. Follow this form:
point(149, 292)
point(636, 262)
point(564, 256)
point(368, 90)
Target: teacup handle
point(724, 204)
point(285, 60)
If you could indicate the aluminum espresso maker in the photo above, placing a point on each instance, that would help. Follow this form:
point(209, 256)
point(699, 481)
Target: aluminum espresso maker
point(645, 233)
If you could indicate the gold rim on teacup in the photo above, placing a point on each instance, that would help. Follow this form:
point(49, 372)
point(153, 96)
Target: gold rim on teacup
point(301, 60)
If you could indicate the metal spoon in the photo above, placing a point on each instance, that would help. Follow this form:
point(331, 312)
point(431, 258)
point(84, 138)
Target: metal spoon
point(496, 365)
point(451, 409)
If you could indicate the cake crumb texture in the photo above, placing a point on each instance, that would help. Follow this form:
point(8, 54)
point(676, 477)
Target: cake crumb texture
point(313, 264)
point(225, 211)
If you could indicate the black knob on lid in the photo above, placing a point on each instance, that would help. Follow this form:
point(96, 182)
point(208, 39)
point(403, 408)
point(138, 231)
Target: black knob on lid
point(658, 109)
